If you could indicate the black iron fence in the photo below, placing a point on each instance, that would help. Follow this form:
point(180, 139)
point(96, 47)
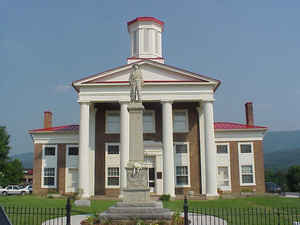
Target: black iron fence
point(241, 216)
point(20, 215)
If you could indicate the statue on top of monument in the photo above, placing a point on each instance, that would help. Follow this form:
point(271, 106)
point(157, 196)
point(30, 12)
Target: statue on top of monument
point(136, 83)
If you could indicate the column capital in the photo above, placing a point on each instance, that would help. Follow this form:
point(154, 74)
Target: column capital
point(207, 101)
point(121, 102)
point(162, 101)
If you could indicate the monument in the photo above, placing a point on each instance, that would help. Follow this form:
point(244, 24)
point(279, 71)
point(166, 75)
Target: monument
point(136, 203)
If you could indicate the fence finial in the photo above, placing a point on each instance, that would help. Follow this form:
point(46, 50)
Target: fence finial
point(68, 211)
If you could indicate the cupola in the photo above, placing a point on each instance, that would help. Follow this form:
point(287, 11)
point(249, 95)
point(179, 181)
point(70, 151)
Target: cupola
point(145, 39)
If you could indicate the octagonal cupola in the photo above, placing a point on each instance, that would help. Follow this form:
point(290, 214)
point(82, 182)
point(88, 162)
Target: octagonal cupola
point(145, 39)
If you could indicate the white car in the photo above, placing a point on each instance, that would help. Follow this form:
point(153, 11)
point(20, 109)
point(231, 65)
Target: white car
point(2, 189)
point(27, 189)
point(14, 190)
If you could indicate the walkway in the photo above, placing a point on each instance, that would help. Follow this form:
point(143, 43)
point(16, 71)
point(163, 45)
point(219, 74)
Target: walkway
point(197, 219)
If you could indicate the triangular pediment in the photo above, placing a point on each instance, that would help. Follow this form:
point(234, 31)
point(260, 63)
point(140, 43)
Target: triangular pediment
point(152, 72)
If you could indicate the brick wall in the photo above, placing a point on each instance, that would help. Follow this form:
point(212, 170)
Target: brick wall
point(259, 168)
point(191, 136)
point(37, 170)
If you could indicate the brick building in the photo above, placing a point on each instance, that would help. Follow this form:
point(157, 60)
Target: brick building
point(185, 150)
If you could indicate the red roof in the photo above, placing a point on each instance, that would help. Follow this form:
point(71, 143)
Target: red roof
point(145, 18)
point(234, 126)
point(217, 126)
point(57, 129)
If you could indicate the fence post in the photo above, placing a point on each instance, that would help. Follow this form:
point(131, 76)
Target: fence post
point(68, 211)
point(278, 214)
point(185, 211)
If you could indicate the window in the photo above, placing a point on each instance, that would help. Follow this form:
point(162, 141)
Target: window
point(49, 151)
point(146, 39)
point(73, 151)
point(156, 42)
point(135, 46)
point(223, 176)
point(113, 122)
point(182, 175)
point(149, 122)
point(181, 148)
point(113, 176)
point(180, 121)
point(222, 149)
point(246, 148)
point(113, 149)
point(49, 177)
point(247, 174)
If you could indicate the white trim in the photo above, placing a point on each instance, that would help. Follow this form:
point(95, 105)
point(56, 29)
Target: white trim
point(186, 120)
point(111, 165)
point(249, 163)
point(187, 163)
point(226, 163)
point(153, 122)
point(55, 138)
point(240, 135)
point(107, 112)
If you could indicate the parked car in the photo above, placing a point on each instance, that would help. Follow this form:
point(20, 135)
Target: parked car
point(272, 187)
point(27, 189)
point(2, 189)
point(14, 190)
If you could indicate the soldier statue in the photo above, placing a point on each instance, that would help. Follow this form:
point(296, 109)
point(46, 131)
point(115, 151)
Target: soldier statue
point(136, 83)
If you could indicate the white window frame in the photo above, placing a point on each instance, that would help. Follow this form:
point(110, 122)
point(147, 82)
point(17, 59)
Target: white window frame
point(112, 186)
point(67, 155)
point(186, 121)
point(51, 164)
point(107, 131)
point(153, 122)
point(187, 163)
point(111, 164)
point(250, 162)
point(55, 178)
point(225, 163)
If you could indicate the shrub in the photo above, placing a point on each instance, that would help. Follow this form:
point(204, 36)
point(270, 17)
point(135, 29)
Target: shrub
point(165, 198)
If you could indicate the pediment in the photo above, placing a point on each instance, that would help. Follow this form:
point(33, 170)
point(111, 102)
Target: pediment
point(152, 72)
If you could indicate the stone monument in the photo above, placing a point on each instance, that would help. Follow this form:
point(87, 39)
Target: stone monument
point(136, 203)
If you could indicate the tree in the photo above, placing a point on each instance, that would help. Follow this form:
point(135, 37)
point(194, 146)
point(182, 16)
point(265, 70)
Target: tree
point(11, 171)
point(293, 178)
point(4, 148)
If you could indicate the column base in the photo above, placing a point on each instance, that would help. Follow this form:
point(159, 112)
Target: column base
point(212, 196)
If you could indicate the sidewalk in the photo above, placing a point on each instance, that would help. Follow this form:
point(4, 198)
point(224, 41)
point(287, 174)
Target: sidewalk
point(75, 220)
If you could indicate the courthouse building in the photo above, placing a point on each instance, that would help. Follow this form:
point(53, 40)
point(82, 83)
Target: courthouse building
point(185, 149)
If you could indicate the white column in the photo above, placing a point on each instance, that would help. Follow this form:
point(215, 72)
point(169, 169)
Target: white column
point(92, 127)
point(124, 145)
point(210, 150)
point(168, 154)
point(202, 147)
point(84, 172)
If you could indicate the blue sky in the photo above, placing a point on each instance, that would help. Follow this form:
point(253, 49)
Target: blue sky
point(253, 47)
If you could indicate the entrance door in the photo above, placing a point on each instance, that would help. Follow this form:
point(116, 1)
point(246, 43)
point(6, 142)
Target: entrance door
point(72, 183)
point(151, 179)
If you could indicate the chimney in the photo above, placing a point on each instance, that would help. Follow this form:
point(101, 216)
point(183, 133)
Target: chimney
point(145, 39)
point(47, 119)
point(249, 113)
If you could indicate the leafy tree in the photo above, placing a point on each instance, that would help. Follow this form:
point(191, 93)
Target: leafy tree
point(4, 148)
point(293, 178)
point(11, 171)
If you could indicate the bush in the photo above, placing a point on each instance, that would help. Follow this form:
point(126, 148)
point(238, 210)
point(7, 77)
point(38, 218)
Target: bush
point(165, 198)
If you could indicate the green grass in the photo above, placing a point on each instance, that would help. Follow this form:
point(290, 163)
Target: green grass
point(239, 215)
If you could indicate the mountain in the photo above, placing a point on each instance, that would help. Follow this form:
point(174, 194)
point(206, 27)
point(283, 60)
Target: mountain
point(281, 140)
point(26, 159)
point(282, 159)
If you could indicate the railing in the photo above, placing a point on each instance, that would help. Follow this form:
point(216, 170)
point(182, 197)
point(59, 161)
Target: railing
point(241, 216)
point(39, 216)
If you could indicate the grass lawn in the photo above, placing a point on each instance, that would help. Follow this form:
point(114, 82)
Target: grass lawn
point(237, 211)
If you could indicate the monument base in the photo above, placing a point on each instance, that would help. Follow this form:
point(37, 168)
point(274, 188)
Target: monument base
point(147, 211)
point(136, 195)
